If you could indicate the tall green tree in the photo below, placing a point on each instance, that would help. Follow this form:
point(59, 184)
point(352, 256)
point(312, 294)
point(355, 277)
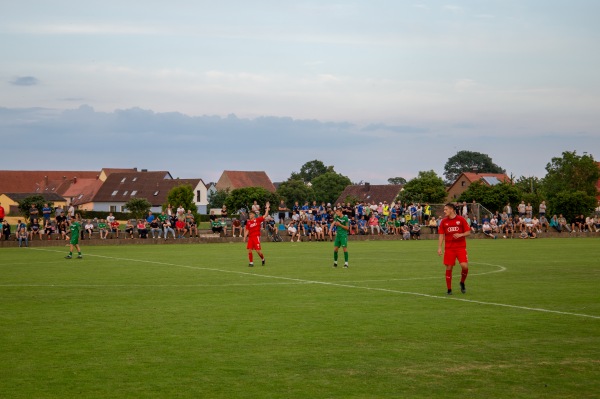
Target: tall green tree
point(426, 187)
point(469, 161)
point(396, 180)
point(182, 195)
point(217, 199)
point(493, 198)
point(25, 205)
point(329, 186)
point(571, 204)
point(310, 170)
point(243, 198)
point(295, 190)
point(138, 207)
point(571, 172)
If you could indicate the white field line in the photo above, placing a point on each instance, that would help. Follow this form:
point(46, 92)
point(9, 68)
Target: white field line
point(302, 281)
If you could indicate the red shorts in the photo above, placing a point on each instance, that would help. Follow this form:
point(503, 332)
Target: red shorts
point(179, 224)
point(453, 254)
point(253, 243)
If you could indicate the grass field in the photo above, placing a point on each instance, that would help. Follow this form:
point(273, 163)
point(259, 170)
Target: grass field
point(193, 321)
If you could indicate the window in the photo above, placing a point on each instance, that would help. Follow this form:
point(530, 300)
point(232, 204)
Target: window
point(112, 208)
point(125, 193)
point(123, 180)
point(134, 179)
point(134, 192)
point(123, 208)
point(155, 193)
point(80, 196)
point(115, 192)
point(463, 183)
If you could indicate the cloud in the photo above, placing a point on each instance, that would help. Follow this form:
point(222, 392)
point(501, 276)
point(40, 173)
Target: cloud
point(454, 9)
point(25, 81)
point(374, 127)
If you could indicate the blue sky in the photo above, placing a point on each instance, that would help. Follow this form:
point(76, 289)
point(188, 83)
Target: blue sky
point(376, 88)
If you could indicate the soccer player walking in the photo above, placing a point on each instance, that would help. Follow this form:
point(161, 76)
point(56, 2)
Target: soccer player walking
point(74, 229)
point(452, 232)
point(341, 236)
point(252, 232)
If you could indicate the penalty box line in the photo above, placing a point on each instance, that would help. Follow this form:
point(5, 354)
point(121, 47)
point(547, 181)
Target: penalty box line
point(303, 281)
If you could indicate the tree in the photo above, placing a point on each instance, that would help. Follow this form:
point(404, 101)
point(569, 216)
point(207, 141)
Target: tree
point(182, 195)
point(469, 161)
point(243, 198)
point(493, 198)
point(329, 186)
point(310, 170)
point(426, 187)
point(397, 180)
point(572, 204)
point(218, 198)
point(295, 190)
point(25, 205)
point(571, 173)
point(138, 207)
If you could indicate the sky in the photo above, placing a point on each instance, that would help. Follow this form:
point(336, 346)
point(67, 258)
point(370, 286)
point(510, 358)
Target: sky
point(377, 89)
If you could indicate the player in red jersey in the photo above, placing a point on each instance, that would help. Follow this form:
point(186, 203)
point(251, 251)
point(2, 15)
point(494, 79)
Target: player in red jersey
point(453, 230)
point(252, 231)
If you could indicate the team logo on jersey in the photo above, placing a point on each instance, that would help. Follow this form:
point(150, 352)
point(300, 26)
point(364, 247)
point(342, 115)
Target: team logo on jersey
point(458, 222)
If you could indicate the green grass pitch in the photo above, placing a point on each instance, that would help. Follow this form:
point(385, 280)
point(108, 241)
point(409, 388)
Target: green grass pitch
point(194, 321)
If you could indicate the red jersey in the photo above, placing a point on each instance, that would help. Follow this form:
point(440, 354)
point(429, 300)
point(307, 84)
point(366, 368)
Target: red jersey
point(253, 226)
point(449, 227)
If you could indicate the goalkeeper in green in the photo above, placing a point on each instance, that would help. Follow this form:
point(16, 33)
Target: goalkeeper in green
point(341, 236)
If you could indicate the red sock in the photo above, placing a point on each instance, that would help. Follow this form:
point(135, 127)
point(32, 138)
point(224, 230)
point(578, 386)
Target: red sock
point(463, 275)
point(449, 279)
point(250, 257)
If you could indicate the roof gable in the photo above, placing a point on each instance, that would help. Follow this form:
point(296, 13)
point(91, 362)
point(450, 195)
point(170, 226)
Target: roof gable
point(233, 179)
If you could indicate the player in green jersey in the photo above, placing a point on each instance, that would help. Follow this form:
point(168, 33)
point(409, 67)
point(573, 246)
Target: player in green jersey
point(74, 231)
point(341, 236)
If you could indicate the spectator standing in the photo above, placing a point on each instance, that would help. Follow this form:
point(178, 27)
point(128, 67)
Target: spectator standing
point(2, 213)
point(542, 209)
point(46, 213)
point(33, 212)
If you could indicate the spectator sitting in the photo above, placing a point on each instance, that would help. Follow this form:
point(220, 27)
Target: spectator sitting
point(474, 225)
point(35, 230)
point(544, 223)
point(114, 228)
point(155, 229)
point(168, 228)
point(415, 231)
point(362, 226)
point(236, 226)
point(6, 230)
point(102, 229)
point(293, 231)
point(405, 232)
point(562, 222)
point(555, 225)
point(142, 229)
point(432, 225)
point(129, 229)
point(89, 228)
point(216, 227)
point(374, 224)
point(22, 236)
point(49, 230)
point(487, 230)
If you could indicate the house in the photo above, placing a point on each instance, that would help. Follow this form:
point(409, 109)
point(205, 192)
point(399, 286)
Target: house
point(119, 188)
point(370, 193)
point(465, 179)
point(10, 201)
point(232, 179)
point(29, 181)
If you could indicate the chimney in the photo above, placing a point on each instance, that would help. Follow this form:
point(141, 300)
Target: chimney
point(75, 180)
point(144, 170)
point(368, 185)
point(46, 180)
point(64, 177)
point(135, 169)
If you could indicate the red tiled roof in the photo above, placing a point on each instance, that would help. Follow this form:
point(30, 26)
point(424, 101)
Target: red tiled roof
point(28, 181)
point(233, 179)
point(83, 191)
point(371, 193)
point(472, 177)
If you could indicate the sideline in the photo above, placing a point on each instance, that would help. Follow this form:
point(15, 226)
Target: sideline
point(302, 281)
